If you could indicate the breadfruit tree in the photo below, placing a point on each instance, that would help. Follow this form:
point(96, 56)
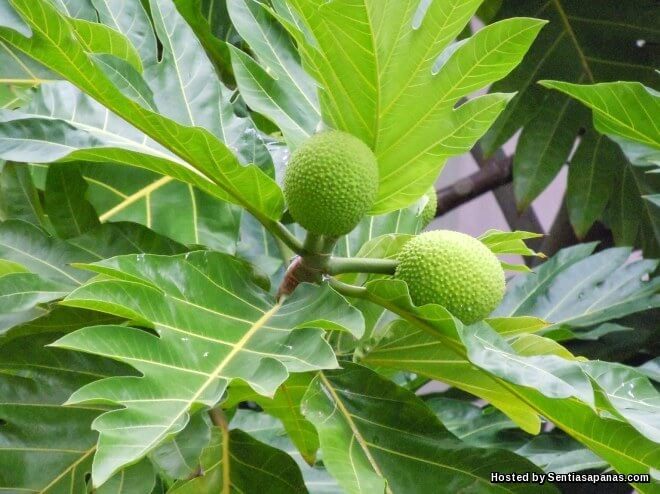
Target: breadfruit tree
point(220, 270)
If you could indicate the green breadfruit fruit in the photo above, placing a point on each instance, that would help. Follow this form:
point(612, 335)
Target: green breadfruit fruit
point(453, 270)
point(428, 213)
point(330, 183)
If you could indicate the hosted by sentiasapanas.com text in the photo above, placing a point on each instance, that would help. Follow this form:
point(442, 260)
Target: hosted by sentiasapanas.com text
point(542, 478)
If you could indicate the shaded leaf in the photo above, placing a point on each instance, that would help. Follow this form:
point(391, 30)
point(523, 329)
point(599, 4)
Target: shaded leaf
point(138, 478)
point(131, 19)
point(579, 290)
point(560, 454)
point(261, 249)
point(544, 146)
point(269, 430)
point(625, 111)
point(78, 9)
point(651, 369)
point(589, 184)
point(141, 196)
point(51, 258)
point(438, 336)
point(57, 319)
point(486, 427)
point(20, 293)
point(45, 447)
point(41, 254)
point(481, 427)
point(285, 405)
point(180, 457)
point(187, 89)
point(398, 448)
point(50, 261)
point(210, 22)
point(630, 394)
point(235, 463)
point(19, 199)
point(66, 205)
point(579, 45)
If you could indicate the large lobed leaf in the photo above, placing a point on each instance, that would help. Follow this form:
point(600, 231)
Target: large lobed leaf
point(213, 325)
point(42, 270)
point(387, 74)
point(195, 155)
point(235, 462)
point(139, 195)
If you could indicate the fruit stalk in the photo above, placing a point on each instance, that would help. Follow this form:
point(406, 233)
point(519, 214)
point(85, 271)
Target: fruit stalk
point(339, 265)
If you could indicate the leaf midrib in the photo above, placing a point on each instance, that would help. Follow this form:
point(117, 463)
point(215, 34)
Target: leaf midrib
point(217, 371)
point(569, 30)
point(356, 432)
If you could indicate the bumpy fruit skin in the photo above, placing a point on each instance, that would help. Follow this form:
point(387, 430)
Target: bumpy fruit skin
point(453, 270)
point(428, 213)
point(330, 183)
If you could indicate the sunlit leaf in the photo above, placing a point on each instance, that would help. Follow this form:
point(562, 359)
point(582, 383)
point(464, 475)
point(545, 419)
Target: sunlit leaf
point(376, 61)
point(213, 326)
point(196, 156)
point(274, 85)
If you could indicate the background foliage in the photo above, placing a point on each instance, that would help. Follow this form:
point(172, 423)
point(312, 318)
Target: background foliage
point(143, 239)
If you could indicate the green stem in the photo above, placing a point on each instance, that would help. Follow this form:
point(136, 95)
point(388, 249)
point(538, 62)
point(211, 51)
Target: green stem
point(339, 265)
point(417, 383)
point(281, 232)
point(286, 254)
point(329, 244)
point(313, 244)
point(349, 290)
point(363, 293)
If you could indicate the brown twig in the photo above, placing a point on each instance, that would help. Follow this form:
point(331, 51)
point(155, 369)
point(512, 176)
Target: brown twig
point(562, 235)
point(493, 174)
point(527, 221)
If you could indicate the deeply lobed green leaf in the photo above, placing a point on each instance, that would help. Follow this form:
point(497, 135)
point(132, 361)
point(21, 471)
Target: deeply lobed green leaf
point(213, 325)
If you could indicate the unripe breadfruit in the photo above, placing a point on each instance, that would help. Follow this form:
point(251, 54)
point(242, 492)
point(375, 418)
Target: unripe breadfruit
point(428, 213)
point(330, 183)
point(453, 270)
